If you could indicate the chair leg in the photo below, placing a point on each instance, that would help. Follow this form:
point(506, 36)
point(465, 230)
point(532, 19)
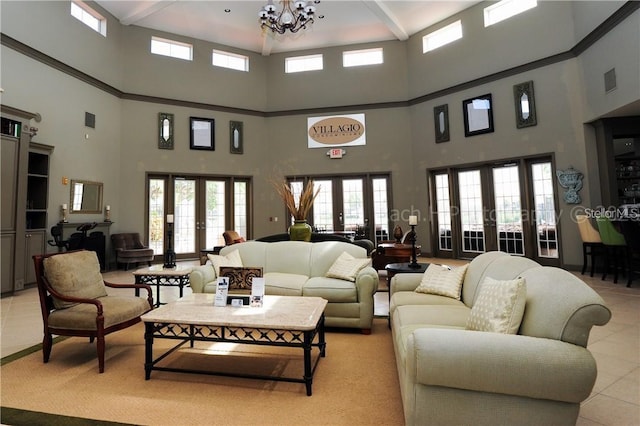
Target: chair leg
point(584, 258)
point(47, 342)
point(100, 348)
point(606, 263)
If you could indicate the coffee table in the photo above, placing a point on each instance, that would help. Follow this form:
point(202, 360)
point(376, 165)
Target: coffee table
point(159, 276)
point(289, 321)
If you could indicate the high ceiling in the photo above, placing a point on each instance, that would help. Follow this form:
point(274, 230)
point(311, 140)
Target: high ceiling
point(236, 23)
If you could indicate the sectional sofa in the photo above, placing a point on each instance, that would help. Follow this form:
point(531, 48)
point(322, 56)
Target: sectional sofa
point(451, 375)
point(295, 268)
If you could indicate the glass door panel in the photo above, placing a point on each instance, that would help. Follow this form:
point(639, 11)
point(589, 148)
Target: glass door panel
point(508, 210)
point(156, 215)
point(240, 208)
point(214, 223)
point(352, 204)
point(323, 206)
point(184, 215)
point(543, 195)
point(471, 211)
point(443, 207)
point(380, 210)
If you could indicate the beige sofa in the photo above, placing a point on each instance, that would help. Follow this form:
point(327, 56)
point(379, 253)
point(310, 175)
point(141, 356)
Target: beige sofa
point(453, 376)
point(295, 268)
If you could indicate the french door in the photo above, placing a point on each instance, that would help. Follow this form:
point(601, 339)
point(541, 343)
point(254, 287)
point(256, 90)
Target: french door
point(510, 206)
point(197, 210)
point(355, 205)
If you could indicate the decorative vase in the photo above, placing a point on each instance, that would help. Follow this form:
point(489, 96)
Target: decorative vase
point(300, 231)
point(397, 234)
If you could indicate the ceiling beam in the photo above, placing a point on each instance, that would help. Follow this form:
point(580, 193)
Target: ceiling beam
point(148, 8)
point(384, 14)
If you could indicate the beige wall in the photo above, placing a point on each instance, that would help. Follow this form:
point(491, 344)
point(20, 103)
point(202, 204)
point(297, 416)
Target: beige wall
point(123, 147)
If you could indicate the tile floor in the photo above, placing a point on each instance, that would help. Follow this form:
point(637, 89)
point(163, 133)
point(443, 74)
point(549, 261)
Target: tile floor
point(615, 400)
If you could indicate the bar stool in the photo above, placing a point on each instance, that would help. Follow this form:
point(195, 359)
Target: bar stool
point(591, 243)
point(615, 246)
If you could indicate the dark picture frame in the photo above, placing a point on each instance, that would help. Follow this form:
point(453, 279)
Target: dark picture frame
point(441, 123)
point(525, 104)
point(478, 115)
point(202, 133)
point(165, 130)
point(235, 137)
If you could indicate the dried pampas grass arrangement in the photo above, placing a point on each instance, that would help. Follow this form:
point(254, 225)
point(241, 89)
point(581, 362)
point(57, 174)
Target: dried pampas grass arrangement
point(301, 210)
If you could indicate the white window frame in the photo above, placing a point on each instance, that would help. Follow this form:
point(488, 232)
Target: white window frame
point(233, 61)
point(170, 44)
point(303, 63)
point(441, 37)
point(505, 9)
point(89, 17)
point(358, 58)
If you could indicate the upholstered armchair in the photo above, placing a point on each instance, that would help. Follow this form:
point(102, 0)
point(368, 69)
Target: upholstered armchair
point(74, 300)
point(129, 249)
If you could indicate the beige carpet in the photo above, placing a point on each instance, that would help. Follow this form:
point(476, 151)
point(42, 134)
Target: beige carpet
point(356, 383)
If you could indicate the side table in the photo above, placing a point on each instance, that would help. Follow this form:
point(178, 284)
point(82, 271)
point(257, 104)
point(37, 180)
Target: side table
point(205, 252)
point(159, 276)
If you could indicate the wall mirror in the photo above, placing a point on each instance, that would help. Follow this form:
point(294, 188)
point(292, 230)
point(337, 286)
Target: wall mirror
point(525, 105)
point(86, 197)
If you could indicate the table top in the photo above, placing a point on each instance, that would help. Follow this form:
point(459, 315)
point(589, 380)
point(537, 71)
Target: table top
point(404, 267)
point(277, 312)
point(159, 270)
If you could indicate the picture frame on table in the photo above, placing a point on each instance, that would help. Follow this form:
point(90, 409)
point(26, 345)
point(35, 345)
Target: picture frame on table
point(478, 115)
point(525, 104)
point(235, 137)
point(441, 123)
point(202, 133)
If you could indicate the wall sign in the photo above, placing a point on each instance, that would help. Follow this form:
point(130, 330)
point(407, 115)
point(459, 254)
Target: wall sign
point(336, 130)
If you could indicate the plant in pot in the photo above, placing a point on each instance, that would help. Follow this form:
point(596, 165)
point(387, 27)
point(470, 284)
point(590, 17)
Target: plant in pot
point(300, 230)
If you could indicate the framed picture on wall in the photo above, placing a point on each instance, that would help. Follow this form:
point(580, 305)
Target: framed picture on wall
point(202, 133)
point(478, 115)
point(441, 123)
point(235, 137)
point(165, 130)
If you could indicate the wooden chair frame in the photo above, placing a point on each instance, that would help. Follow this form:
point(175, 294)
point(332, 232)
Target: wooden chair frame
point(46, 293)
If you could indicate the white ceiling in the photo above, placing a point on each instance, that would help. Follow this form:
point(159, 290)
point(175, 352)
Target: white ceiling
point(344, 22)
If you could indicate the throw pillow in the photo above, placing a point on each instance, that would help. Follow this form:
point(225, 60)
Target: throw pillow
point(74, 274)
point(346, 267)
point(499, 307)
point(442, 280)
point(231, 259)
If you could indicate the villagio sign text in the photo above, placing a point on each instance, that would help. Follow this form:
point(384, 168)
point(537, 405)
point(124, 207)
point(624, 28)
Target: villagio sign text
point(337, 130)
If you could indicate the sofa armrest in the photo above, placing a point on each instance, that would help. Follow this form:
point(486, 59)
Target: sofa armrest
point(200, 276)
point(501, 363)
point(405, 282)
point(367, 283)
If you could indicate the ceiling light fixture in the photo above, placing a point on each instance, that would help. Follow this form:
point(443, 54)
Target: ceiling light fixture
point(293, 17)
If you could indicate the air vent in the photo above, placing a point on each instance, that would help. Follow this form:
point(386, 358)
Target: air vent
point(90, 120)
point(610, 80)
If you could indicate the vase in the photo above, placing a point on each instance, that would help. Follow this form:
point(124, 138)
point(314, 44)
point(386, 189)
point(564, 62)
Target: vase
point(300, 231)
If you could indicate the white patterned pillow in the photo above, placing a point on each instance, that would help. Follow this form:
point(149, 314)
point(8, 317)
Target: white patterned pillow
point(346, 267)
point(231, 259)
point(499, 307)
point(442, 280)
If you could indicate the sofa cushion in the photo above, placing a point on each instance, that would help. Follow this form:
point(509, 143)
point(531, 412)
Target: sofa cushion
point(284, 284)
point(499, 306)
point(74, 275)
point(332, 289)
point(231, 259)
point(346, 267)
point(442, 280)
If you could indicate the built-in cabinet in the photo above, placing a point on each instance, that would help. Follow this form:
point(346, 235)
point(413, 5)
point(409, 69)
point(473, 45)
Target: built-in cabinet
point(628, 180)
point(25, 198)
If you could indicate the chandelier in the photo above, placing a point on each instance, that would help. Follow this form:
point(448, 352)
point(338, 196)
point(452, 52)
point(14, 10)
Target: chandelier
point(292, 17)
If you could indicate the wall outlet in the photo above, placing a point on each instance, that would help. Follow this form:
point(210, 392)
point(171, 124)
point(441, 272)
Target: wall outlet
point(19, 285)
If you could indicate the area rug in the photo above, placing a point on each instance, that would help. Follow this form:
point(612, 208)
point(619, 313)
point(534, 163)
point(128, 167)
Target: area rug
point(355, 384)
